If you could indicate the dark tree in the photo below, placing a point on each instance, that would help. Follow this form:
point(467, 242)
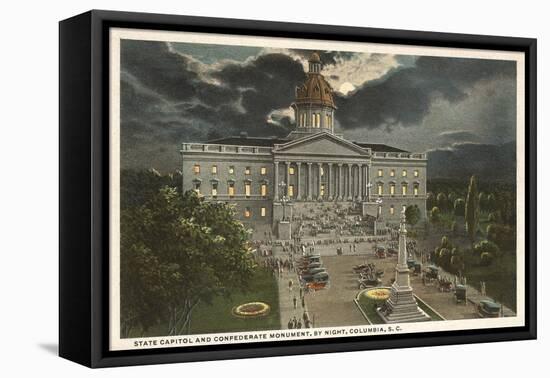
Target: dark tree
point(412, 213)
point(177, 251)
point(472, 210)
point(459, 207)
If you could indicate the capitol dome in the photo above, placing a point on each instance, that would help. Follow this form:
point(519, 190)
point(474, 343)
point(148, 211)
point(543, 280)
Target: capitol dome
point(314, 105)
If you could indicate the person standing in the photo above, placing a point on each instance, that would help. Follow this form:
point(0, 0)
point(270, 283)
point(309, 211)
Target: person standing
point(295, 302)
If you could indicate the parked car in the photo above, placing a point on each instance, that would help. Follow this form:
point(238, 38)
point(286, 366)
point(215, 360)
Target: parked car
point(488, 309)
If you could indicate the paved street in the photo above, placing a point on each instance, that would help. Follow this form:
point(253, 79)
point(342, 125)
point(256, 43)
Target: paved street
point(334, 306)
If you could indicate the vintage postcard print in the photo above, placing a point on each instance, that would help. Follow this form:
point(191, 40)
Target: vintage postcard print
point(271, 189)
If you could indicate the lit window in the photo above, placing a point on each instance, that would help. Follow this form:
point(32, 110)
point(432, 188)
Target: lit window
point(291, 190)
point(231, 169)
point(231, 189)
point(404, 189)
point(214, 190)
point(322, 189)
point(392, 210)
point(247, 171)
point(290, 170)
point(198, 187)
point(416, 173)
point(263, 170)
point(317, 120)
point(392, 173)
point(247, 212)
point(197, 169)
point(380, 173)
point(247, 189)
point(415, 189)
point(404, 208)
point(392, 189)
point(322, 171)
point(262, 211)
point(263, 190)
point(404, 173)
point(214, 169)
point(380, 189)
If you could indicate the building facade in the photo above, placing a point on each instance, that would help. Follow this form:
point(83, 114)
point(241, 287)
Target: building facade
point(267, 177)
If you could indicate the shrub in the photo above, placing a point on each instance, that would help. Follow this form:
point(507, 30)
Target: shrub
point(503, 236)
point(486, 258)
point(486, 246)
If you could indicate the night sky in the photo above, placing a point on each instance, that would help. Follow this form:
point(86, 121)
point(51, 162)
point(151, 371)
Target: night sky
point(452, 108)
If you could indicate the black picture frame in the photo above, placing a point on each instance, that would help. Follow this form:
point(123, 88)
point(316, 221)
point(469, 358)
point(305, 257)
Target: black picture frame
point(84, 186)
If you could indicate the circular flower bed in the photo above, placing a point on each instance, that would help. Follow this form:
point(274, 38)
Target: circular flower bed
point(378, 294)
point(251, 310)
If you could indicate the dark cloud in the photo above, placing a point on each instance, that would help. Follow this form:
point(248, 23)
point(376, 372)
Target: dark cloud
point(327, 57)
point(451, 137)
point(488, 162)
point(403, 96)
point(167, 98)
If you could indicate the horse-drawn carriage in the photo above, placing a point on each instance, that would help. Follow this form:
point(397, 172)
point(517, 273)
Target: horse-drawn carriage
point(432, 272)
point(380, 252)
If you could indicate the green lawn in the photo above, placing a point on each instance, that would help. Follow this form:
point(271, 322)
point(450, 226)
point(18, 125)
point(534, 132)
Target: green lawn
point(218, 317)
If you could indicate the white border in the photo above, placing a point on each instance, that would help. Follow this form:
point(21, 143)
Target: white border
point(116, 343)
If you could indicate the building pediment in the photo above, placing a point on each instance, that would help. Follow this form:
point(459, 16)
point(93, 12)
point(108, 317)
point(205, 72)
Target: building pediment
point(322, 144)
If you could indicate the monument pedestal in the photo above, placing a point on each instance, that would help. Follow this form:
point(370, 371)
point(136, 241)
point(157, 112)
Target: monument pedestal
point(284, 231)
point(401, 307)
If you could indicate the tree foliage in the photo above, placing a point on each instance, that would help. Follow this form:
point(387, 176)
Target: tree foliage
point(412, 214)
point(177, 251)
point(472, 210)
point(459, 207)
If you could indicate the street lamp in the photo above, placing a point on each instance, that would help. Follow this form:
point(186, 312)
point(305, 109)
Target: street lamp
point(369, 185)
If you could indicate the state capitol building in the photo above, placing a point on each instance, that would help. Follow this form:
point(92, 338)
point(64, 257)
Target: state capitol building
point(272, 180)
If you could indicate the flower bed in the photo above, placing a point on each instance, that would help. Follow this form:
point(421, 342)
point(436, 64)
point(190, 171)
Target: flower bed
point(251, 310)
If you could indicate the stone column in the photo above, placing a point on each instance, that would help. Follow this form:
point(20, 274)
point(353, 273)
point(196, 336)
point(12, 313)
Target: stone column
point(360, 173)
point(276, 182)
point(328, 185)
point(287, 177)
point(368, 181)
point(298, 185)
point(319, 167)
point(349, 182)
point(340, 182)
point(309, 182)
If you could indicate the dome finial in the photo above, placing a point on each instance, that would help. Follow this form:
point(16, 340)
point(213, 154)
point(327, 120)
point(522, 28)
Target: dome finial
point(315, 58)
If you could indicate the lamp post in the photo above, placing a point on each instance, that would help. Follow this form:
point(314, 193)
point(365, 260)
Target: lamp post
point(369, 185)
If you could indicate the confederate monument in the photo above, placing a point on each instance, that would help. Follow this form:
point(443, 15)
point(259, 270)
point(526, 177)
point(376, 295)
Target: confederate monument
point(401, 306)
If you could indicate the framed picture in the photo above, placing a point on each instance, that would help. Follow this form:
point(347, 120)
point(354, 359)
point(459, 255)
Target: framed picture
point(233, 188)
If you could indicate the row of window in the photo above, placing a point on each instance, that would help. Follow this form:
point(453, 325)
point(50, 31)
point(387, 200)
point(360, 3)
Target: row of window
point(231, 192)
point(291, 171)
point(248, 212)
point(404, 189)
point(230, 170)
point(314, 121)
point(404, 173)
